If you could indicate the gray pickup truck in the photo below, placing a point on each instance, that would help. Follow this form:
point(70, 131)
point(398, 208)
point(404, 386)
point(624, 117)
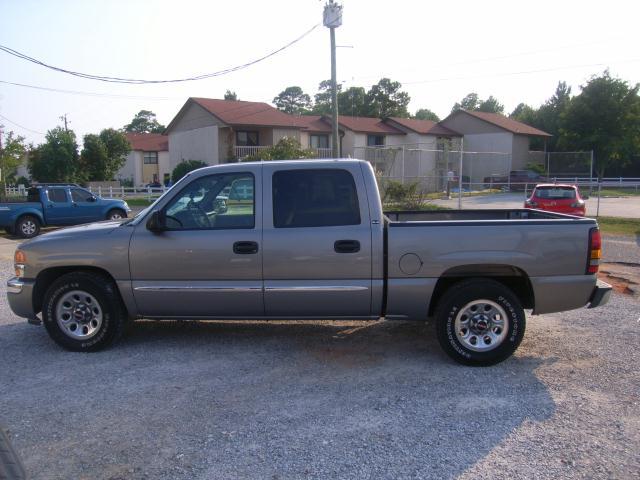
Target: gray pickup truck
point(308, 240)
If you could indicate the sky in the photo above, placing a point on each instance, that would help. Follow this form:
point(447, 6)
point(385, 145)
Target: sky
point(439, 51)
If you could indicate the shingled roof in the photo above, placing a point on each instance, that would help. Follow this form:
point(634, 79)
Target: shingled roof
point(237, 112)
point(506, 123)
point(423, 127)
point(148, 142)
point(368, 125)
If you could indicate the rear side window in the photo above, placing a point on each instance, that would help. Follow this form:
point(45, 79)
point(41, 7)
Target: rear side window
point(314, 198)
point(57, 195)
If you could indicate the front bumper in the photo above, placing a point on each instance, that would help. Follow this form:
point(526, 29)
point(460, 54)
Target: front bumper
point(601, 294)
point(20, 296)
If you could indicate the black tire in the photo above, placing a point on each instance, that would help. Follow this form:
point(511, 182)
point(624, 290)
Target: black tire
point(104, 296)
point(480, 339)
point(116, 214)
point(27, 226)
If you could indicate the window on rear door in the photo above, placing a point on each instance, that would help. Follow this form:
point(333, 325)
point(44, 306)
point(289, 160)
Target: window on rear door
point(57, 195)
point(314, 198)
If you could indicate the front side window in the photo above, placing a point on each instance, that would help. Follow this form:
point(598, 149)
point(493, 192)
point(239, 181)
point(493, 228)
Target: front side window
point(150, 158)
point(375, 140)
point(57, 195)
point(80, 195)
point(314, 198)
point(224, 201)
point(319, 141)
point(246, 138)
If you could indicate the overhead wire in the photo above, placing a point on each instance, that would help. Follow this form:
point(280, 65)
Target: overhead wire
point(112, 79)
point(21, 126)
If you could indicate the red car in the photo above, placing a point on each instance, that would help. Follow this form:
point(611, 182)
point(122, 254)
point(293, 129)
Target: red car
point(560, 198)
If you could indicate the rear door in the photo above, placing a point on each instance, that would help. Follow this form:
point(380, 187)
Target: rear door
point(317, 242)
point(58, 209)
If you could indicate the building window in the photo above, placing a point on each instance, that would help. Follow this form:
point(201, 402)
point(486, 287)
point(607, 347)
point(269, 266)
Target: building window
point(319, 141)
point(150, 158)
point(375, 140)
point(247, 138)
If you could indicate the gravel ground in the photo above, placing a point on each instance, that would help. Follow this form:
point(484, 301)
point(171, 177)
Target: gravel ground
point(213, 400)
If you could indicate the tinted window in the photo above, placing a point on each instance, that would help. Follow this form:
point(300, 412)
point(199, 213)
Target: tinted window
point(314, 198)
point(57, 195)
point(555, 192)
point(79, 195)
point(214, 202)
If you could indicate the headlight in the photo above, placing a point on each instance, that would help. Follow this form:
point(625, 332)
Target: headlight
point(19, 260)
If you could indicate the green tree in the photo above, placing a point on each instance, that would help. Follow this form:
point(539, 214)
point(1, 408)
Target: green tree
point(144, 122)
point(352, 102)
point(185, 167)
point(286, 149)
point(322, 105)
point(523, 113)
point(11, 155)
point(426, 114)
point(56, 160)
point(231, 95)
point(491, 105)
point(293, 100)
point(103, 155)
point(605, 118)
point(385, 99)
point(470, 102)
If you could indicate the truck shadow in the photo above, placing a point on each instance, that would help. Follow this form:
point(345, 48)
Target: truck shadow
point(259, 399)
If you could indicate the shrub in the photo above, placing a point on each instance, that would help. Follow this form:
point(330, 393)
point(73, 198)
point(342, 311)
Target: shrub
point(185, 167)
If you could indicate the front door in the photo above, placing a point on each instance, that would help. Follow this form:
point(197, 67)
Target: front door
point(208, 263)
point(85, 205)
point(317, 243)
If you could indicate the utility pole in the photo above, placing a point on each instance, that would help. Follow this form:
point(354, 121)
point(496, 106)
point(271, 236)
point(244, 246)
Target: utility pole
point(332, 19)
point(64, 119)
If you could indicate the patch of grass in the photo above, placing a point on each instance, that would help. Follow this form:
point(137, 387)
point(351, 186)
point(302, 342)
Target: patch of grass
point(617, 192)
point(139, 202)
point(619, 226)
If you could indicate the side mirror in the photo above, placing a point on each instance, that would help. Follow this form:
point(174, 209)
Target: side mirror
point(92, 199)
point(157, 222)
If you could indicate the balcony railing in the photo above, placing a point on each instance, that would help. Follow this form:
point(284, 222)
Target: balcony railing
point(243, 152)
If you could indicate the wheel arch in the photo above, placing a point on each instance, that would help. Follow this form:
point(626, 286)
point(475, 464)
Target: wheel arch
point(29, 213)
point(46, 277)
point(512, 277)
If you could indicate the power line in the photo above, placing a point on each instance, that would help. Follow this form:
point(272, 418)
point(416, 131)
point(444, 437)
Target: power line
point(20, 126)
point(89, 94)
point(110, 79)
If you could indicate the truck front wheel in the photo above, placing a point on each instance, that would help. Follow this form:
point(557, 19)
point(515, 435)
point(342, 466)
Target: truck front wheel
point(479, 322)
point(116, 214)
point(83, 312)
point(27, 226)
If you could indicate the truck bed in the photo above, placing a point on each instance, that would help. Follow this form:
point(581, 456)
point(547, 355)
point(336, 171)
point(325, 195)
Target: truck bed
point(493, 215)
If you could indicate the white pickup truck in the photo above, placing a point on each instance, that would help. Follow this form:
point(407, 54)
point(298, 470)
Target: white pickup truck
point(308, 240)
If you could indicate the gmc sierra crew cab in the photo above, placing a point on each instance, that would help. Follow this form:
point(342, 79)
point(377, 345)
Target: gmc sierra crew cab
point(308, 240)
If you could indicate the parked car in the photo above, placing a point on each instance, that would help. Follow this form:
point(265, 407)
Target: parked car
point(308, 240)
point(58, 205)
point(561, 198)
point(516, 180)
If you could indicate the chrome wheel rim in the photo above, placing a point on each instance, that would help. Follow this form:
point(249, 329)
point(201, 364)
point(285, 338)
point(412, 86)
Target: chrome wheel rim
point(79, 314)
point(115, 216)
point(28, 227)
point(481, 325)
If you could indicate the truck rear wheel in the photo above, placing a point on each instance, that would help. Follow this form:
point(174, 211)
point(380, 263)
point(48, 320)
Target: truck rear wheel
point(27, 226)
point(479, 322)
point(83, 312)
